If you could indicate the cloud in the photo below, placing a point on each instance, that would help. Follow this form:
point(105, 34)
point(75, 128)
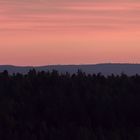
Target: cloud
point(69, 31)
point(45, 15)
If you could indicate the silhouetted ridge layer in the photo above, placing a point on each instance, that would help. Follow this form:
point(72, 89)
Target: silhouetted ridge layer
point(105, 69)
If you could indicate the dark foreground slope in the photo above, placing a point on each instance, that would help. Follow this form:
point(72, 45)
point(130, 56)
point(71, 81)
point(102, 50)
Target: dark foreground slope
point(105, 69)
point(48, 106)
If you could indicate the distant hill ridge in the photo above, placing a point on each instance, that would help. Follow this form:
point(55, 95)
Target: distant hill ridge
point(105, 69)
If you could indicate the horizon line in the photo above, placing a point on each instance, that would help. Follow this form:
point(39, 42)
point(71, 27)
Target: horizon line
point(108, 63)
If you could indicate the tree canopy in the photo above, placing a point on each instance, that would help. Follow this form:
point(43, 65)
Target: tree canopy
point(48, 105)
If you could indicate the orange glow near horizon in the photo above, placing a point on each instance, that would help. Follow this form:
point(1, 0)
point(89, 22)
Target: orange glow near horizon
point(42, 33)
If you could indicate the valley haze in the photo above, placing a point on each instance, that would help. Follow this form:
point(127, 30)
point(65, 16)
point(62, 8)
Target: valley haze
point(105, 69)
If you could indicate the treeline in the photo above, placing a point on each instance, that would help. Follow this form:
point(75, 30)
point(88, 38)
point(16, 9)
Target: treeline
point(53, 106)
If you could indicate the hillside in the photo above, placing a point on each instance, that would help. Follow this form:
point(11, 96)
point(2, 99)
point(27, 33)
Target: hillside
point(105, 69)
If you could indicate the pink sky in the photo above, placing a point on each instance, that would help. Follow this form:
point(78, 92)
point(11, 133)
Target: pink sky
point(69, 32)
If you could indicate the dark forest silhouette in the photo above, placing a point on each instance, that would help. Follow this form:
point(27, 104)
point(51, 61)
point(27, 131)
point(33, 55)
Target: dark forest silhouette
point(53, 106)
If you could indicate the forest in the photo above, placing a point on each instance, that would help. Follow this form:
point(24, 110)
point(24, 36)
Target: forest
point(62, 106)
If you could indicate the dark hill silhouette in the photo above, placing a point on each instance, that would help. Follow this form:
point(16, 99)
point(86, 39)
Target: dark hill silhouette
point(105, 69)
point(53, 106)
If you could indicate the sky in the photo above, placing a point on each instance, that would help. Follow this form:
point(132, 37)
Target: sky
point(48, 32)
